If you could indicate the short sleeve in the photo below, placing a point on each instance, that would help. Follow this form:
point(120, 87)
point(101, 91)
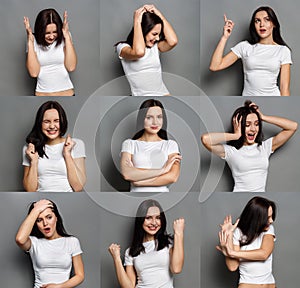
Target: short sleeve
point(120, 46)
point(128, 261)
point(172, 147)
point(267, 146)
point(78, 150)
point(26, 161)
point(75, 248)
point(240, 50)
point(228, 151)
point(286, 57)
point(237, 237)
point(127, 146)
point(33, 240)
point(270, 231)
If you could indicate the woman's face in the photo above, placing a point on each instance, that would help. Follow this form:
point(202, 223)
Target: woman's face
point(153, 35)
point(251, 129)
point(153, 120)
point(152, 223)
point(263, 25)
point(50, 33)
point(50, 124)
point(270, 217)
point(46, 223)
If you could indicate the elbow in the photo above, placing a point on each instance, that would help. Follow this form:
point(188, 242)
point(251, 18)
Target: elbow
point(33, 74)
point(140, 53)
point(71, 68)
point(173, 42)
point(213, 68)
point(295, 126)
point(232, 268)
point(177, 270)
point(20, 240)
point(205, 139)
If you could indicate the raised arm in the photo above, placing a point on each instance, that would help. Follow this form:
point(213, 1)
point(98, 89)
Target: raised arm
point(166, 178)
point(213, 141)
point(32, 62)
point(288, 127)
point(177, 252)
point(218, 60)
point(138, 46)
point(22, 237)
point(70, 53)
point(171, 39)
point(30, 177)
point(126, 278)
point(75, 167)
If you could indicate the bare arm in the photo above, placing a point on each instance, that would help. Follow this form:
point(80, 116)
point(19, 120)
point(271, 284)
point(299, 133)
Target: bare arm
point(75, 167)
point(70, 54)
point(285, 76)
point(166, 178)
point(289, 127)
point(30, 177)
point(213, 141)
point(126, 278)
point(32, 63)
point(218, 60)
point(177, 252)
point(22, 237)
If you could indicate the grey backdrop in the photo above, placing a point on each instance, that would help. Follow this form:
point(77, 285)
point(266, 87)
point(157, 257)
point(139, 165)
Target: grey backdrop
point(230, 81)
point(284, 163)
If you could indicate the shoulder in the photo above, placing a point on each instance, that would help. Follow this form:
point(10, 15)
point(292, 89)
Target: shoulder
point(242, 48)
point(172, 146)
point(78, 142)
point(128, 145)
point(270, 231)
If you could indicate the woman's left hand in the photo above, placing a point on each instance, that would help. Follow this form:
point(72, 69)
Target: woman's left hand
point(224, 245)
point(151, 8)
point(256, 107)
point(69, 144)
point(65, 28)
point(178, 226)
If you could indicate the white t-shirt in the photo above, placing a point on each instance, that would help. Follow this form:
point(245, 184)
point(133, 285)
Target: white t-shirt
point(255, 272)
point(52, 171)
point(53, 76)
point(261, 65)
point(152, 267)
point(149, 155)
point(52, 259)
point(144, 74)
point(249, 165)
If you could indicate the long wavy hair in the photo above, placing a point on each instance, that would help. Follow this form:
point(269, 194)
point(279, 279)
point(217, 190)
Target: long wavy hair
point(162, 133)
point(149, 20)
point(254, 218)
point(162, 238)
point(59, 224)
point(44, 18)
point(36, 136)
point(242, 113)
point(254, 37)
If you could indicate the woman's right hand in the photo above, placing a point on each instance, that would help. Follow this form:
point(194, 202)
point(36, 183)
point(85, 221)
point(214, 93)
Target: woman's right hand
point(31, 154)
point(115, 250)
point(28, 29)
point(237, 126)
point(227, 226)
point(138, 14)
point(228, 27)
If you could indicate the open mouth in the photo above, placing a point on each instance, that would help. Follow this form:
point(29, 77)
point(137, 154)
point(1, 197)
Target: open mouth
point(251, 136)
point(47, 230)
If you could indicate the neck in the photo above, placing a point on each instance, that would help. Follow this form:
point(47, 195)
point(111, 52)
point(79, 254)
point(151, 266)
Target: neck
point(267, 41)
point(148, 238)
point(55, 141)
point(150, 137)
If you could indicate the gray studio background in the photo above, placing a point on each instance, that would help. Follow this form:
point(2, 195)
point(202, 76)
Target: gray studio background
point(214, 273)
point(180, 65)
point(84, 23)
point(80, 216)
point(118, 123)
point(284, 163)
point(230, 81)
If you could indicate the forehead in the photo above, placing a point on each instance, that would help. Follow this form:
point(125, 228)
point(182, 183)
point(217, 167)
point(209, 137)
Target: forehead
point(251, 117)
point(46, 212)
point(51, 114)
point(261, 14)
point(153, 211)
point(50, 27)
point(156, 110)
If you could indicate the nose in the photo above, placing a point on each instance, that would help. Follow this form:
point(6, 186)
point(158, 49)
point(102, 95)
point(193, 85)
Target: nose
point(51, 125)
point(157, 38)
point(45, 222)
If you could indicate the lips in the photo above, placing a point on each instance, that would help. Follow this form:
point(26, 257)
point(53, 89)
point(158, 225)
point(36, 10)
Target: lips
point(251, 137)
point(47, 230)
point(154, 127)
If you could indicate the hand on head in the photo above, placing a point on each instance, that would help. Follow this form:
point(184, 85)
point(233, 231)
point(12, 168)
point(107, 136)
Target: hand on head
point(42, 205)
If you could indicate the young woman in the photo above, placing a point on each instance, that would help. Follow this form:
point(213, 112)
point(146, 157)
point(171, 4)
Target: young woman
point(153, 255)
point(248, 244)
point(139, 54)
point(52, 250)
point(51, 162)
point(149, 160)
point(50, 54)
point(264, 56)
point(246, 153)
